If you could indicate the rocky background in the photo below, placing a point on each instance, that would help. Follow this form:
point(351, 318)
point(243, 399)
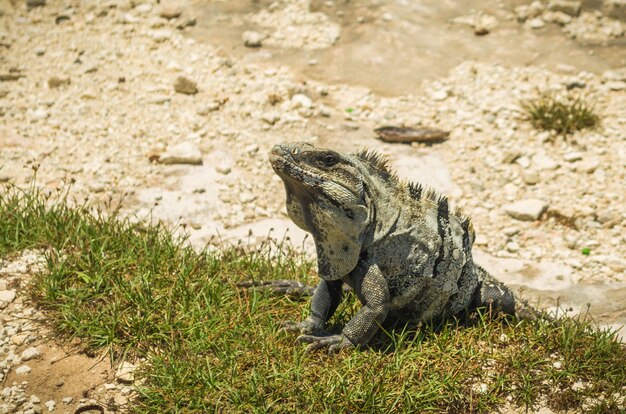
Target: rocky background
point(133, 101)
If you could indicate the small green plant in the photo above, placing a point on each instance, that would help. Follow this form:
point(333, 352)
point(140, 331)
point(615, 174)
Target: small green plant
point(563, 115)
point(586, 251)
point(349, 110)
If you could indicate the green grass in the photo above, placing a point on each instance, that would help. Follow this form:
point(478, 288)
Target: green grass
point(563, 115)
point(139, 291)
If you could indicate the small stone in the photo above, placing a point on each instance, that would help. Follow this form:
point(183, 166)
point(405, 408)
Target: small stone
point(616, 264)
point(185, 153)
point(387, 17)
point(34, 399)
point(439, 95)
point(571, 8)
point(109, 386)
point(19, 339)
point(557, 364)
point(6, 297)
point(120, 400)
point(526, 210)
point(251, 149)
point(51, 405)
point(573, 156)
point(223, 167)
point(530, 177)
point(557, 17)
point(56, 82)
point(510, 231)
point(615, 85)
point(544, 162)
point(536, 23)
point(578, 385)
point(252, 38)
point(301, 101)
point(24, 369)
point(511, 156)
point(39, 114)
point(67, 400)
point(125, 372)
point(171, 11)
point(185, 86)
point(143, 8)
point(40, 50)
point(208, 108)
point(31, 4)
point(588, 166)
point(270, 117)
point(30, 353)
point(161, 36)
point(512, 247)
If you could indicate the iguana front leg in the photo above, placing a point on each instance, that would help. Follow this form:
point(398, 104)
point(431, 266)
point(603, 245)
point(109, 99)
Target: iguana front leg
point(373, 292)
point(325, 301)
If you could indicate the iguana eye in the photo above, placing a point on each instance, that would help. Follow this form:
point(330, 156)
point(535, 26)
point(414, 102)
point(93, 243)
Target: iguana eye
point(295, 151)
point(329, 160)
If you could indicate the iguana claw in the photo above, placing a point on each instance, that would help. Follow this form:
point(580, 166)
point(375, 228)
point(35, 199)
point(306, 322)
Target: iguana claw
point(334, 343)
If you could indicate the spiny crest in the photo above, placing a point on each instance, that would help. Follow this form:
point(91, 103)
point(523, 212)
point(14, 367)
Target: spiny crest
point(418, 192)
point(376, 160)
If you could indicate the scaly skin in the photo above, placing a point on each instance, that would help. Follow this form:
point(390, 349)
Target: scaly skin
point(398, 245)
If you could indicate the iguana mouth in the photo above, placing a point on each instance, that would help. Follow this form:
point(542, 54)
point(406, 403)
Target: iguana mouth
point(285, 166)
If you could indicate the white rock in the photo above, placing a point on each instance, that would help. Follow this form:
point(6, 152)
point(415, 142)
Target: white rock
point(616, 85)
point(51, 405)
point(185, 153)
point(526, 210)
point(571, 8)
point(536, 23)
point(6, 297)
point(301, 101)
point(530, 177)
point(573, 156)
point(30, 353)
point(439, 95)
point(252, 38)
point(557, 364)
point(24, 369)
point(544, 162)
point(125, 372)
point(578, 385)
point(512, 247)
point(67, 400)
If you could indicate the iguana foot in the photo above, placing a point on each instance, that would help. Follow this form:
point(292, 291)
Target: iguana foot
point(290, 288)
point(334, 343)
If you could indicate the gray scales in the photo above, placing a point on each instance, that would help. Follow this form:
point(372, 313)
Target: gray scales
point(398, 245)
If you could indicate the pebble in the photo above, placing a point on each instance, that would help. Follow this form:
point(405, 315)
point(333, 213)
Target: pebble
point(557, 364)
point(573, 156)
point(56, 82)
point(440, 95)
point(30, 353)
point(301, 101)
point(171, 11)
point(252, 39)
point(530, 177)
point(67, 400)
point(208, 108)
point(588, 166)
point(536, 23)
point(51, 405)
point(526, 210)
point(511, 156)
point(24, 369)
point(6, 297)
point(30, 4)
point(270, 117)
point(125, 372)
point(544, 162)
point(615, 85)
point(185, 86)
point(512, 247)
point(223, 167)
point(571, 8)
point(185, 153)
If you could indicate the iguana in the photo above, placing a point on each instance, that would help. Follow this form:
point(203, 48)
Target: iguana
point(398, 245)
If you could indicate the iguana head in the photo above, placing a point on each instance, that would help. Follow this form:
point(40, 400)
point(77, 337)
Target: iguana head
point(325, 196)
